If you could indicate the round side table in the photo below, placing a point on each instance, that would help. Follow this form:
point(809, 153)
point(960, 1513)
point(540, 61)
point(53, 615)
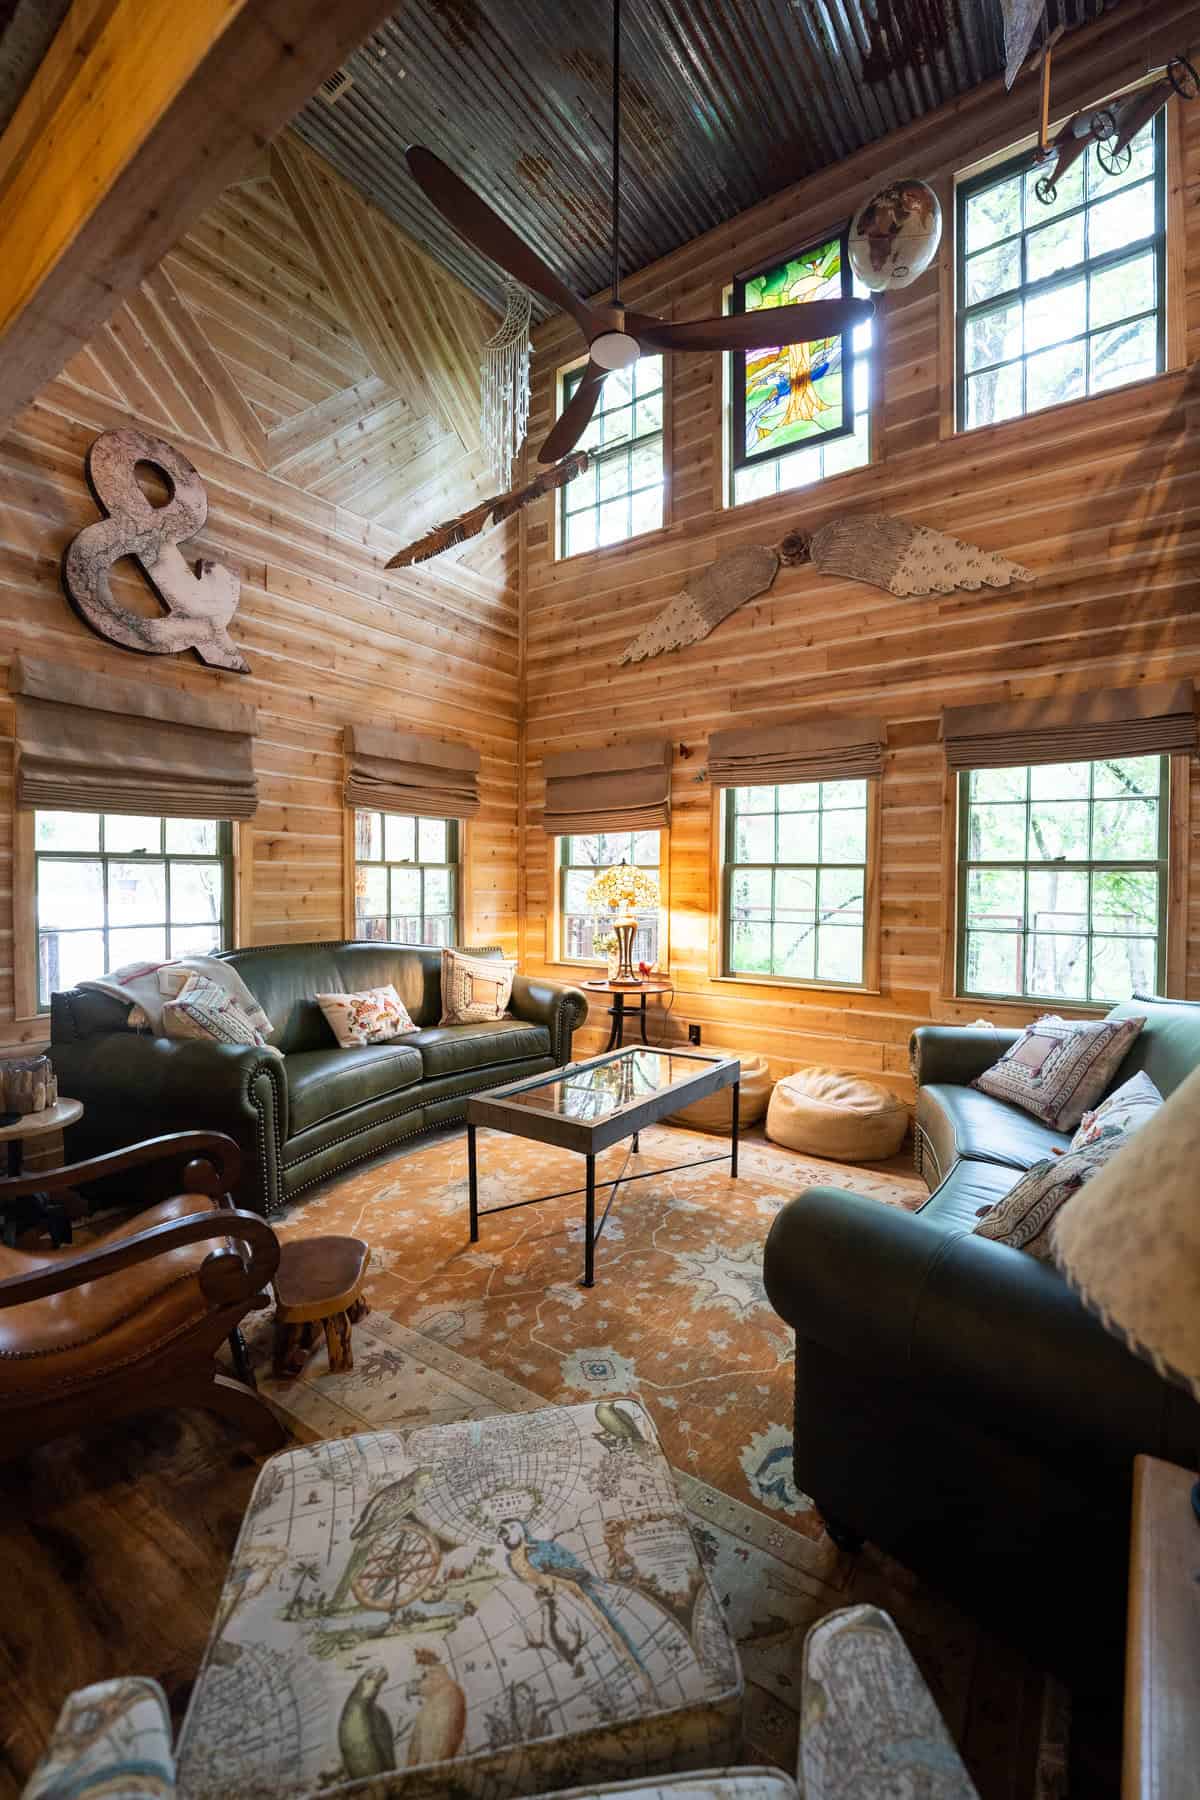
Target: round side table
point(28, 1210)
point(620, 992)
point(318, 1282)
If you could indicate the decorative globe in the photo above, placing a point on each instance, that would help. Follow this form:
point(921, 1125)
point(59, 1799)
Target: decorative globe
point(895, 236)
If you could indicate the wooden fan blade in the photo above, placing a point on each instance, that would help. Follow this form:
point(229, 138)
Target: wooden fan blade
point(474, 220)
point(799, 324)
point(576, 415)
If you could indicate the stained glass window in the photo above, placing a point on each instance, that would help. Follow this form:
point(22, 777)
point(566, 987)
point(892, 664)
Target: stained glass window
point(788, 395)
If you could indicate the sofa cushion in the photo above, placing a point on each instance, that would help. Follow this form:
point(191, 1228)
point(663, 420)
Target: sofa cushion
point(961, 1121)
point(453, 1049)
point(324, 1082)
point(284, 978)
point(1058, 1068)
point(967, 1192)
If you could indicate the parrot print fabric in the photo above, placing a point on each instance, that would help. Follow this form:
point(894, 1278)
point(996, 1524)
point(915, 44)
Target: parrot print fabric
point(491, 1608)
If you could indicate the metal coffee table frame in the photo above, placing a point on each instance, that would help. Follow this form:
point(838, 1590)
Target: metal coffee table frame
point(589, 1138)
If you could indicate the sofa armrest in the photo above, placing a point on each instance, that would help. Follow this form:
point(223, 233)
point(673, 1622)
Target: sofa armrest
point(555, 1004)
point(956, 1053)
point(974, 1325)
point(134, 1086)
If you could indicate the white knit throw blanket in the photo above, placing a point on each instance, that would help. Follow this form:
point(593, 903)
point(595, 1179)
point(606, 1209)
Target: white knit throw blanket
point(148, 986)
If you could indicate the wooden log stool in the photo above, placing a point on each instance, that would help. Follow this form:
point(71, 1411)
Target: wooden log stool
point(318, 1283)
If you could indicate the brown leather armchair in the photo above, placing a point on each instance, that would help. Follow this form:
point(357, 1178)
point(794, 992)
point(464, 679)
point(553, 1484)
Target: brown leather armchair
point(132, 1322)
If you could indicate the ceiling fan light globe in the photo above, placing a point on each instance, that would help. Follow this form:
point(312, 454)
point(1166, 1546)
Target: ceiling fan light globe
point(614, 350)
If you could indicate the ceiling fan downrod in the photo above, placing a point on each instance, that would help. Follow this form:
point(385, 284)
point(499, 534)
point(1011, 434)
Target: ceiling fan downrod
point(615, 348)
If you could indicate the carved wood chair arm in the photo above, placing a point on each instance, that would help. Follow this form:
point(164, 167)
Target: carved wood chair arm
point(225, 1275)
point(214, 1169)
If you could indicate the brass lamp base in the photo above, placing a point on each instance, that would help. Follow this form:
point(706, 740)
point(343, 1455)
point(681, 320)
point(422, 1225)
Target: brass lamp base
point(626, 931)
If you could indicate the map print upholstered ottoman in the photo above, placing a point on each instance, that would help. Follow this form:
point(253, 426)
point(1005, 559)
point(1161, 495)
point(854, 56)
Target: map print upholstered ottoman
point(489, 1609)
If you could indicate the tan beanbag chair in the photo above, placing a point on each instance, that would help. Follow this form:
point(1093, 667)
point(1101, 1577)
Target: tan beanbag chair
point(839, 1116)
point(715, 1111)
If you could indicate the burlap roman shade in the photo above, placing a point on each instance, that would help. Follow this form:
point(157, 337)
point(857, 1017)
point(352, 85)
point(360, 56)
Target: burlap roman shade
point(1144, 721)
point(626, 787)
point(403, 772)
point(99, 743)
point(842, 748)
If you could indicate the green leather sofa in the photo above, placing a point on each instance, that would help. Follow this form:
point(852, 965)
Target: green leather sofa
point(318, 1108)
point(954, 1402)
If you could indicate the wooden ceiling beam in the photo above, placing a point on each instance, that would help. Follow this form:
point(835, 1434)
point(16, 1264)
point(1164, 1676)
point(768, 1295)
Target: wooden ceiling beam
point(142, 113)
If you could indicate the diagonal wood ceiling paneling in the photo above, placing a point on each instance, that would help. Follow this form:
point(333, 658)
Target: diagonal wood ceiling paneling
point(296, 330)
point(726, 102)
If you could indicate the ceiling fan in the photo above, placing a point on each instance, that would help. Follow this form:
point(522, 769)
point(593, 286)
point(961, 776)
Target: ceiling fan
point(616, 337)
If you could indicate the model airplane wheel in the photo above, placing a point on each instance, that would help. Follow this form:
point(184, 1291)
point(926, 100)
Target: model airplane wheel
point(1114, 159)
point(1183, 77)
point(1046, 191)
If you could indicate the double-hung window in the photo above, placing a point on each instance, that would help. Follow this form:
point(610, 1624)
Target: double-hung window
point(1061, 300)
point(582, 930)
point(794, 882)
point(1062, 880)
point(112, 888)
point(406, 878)
point(620, 493)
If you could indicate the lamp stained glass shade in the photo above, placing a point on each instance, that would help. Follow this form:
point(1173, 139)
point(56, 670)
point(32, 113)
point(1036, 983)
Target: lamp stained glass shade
point(794, 394)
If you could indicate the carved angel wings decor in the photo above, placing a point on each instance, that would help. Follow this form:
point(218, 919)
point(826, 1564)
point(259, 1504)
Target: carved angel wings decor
point(888, 553)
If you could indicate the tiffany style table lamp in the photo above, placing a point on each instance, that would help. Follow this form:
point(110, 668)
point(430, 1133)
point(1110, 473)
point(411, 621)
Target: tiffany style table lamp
point(625, 891)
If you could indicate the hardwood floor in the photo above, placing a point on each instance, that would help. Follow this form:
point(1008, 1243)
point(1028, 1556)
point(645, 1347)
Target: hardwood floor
point(115, 1551)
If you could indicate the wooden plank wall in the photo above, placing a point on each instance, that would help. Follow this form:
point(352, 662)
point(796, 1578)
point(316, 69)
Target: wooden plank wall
point(328, 409)
point(1101, 498)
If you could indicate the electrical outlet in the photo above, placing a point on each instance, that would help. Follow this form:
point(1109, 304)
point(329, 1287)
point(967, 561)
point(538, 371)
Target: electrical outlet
point(693, 1034)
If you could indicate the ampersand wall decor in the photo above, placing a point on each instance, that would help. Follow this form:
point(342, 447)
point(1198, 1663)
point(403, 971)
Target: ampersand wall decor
point(200, 599)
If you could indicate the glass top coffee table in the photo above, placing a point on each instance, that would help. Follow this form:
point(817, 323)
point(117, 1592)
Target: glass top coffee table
point(591, 1105)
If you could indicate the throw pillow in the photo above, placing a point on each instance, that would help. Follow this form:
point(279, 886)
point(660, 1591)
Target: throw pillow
point(1132, 1105)
point(1025, 1217)
point(202, 1009)
point(1058, 1068)
point(375, 1016)
point(474, 988)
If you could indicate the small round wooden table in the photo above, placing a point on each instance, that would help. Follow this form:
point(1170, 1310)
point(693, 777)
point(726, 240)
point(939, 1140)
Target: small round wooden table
point(318, 1282)
point(620, 992)
point(29, 1210)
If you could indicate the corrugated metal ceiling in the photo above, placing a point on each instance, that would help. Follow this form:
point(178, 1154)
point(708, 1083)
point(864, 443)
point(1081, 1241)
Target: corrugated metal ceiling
point(725, 102)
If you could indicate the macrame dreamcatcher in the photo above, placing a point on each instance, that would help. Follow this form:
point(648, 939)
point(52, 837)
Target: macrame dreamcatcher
point(504, 384)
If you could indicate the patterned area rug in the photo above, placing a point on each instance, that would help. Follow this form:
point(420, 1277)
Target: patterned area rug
point(679, 1316)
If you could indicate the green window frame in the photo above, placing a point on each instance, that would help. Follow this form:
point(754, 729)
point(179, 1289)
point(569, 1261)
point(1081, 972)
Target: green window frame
point(406, 878)
point(1058, 301)
point(794, 883)
point(1060, 920)
point(101, 913)
point(577, 866)
point(621, 493)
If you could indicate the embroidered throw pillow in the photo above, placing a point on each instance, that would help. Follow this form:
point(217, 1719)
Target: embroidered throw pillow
point(1025, 1217)
point(375, 1016)
point(202, 1009)
point(1058, 1068)
point(1132, 1105)
point(474, 988)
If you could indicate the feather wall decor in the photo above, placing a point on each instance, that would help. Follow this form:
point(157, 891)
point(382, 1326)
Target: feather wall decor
point(887, 553)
